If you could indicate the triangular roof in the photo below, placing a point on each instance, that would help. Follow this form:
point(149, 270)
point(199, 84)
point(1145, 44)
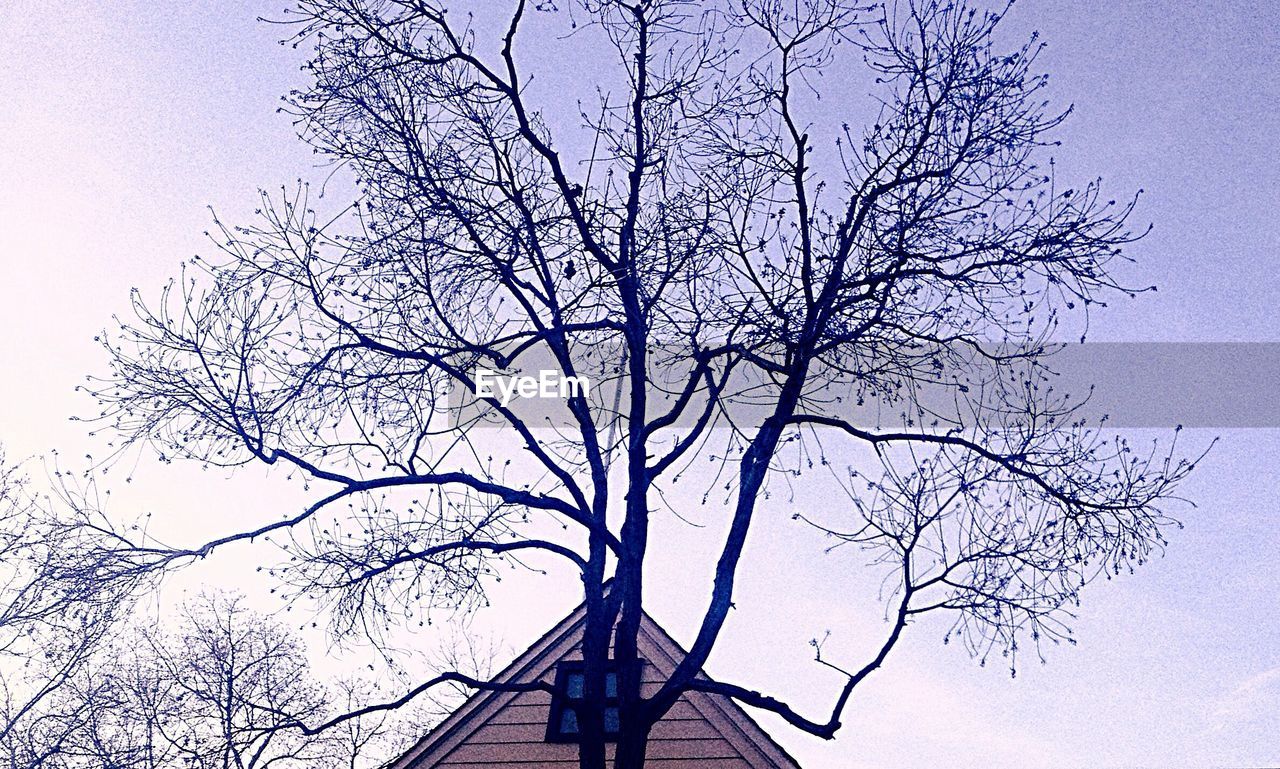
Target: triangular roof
point(712, 732)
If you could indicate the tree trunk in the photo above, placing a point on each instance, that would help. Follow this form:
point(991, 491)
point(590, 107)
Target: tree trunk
point(595, 655)
point(631, 746)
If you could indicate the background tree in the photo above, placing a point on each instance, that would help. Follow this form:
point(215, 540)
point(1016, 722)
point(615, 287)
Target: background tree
point(64, 594)
point(224, 689)
point(736, 265)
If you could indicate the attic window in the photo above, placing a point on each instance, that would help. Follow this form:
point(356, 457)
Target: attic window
point(563, 725)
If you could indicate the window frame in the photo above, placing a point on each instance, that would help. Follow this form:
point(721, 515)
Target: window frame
point(561, 701)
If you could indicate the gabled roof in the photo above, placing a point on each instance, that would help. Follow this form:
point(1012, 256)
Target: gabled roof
point(717, 730)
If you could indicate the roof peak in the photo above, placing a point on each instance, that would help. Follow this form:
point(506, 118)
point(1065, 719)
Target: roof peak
point(728, 719)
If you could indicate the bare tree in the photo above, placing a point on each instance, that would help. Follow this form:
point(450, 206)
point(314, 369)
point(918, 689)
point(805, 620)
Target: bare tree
point(218, 691)
point(734, 266)
point(222, 690)
point(63, 596)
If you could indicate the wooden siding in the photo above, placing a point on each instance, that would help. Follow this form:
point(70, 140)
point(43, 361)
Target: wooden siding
point(515, 736)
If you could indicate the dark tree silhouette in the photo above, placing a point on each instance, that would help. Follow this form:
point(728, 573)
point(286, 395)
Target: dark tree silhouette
point(737, 267)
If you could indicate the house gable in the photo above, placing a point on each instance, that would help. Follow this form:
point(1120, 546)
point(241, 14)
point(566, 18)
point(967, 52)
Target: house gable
point(505, 730)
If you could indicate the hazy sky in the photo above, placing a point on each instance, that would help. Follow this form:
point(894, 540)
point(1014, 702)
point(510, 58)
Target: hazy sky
point(121, 121)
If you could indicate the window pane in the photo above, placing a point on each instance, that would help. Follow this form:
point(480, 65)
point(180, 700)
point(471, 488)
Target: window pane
point(573, 686)
point(612, 723)
point(611, 685)
point(568, 721)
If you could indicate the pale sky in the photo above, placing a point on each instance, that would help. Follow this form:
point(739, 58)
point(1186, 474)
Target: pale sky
point(121, 121)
